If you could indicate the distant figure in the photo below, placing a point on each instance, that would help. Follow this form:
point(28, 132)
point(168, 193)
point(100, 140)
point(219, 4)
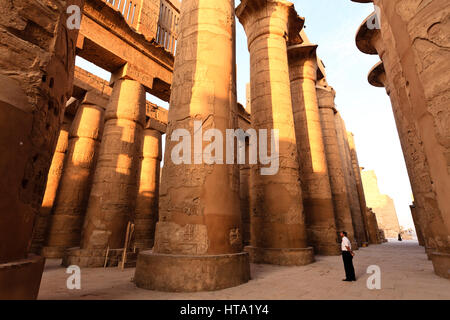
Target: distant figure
point(347, 257)
point(400, 237)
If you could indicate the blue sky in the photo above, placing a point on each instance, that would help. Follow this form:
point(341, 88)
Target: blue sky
point(332, 24)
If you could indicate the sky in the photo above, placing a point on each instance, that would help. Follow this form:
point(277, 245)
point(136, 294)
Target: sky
point(366, 110)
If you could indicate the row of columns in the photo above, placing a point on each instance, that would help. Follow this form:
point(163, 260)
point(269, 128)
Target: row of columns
point(419, 105)
point(36, 74)
point(293, 213)
point(111, 178)
point(104, 174)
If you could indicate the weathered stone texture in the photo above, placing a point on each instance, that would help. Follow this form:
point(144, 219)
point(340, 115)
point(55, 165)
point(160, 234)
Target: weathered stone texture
point(314, 175)
point(36, 61)
point(414, 51)
point(54, 176)
point(146, 212)
point(335, 164)
point(358, 224)
point(381, 204)
point(71, 202)
point(359, 185)
point(199, 225)
point(277, 216)
point(114, 187)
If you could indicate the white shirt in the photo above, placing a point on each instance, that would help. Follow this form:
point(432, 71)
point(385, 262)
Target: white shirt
point(345, 243)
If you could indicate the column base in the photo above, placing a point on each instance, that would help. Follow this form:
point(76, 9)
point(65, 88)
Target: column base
point(429, 251)
point(184, 273)
point(441, 264)
point(329, 250)
point(281, 256)
point(96, 258)
point(20, 280)
point(53, 252)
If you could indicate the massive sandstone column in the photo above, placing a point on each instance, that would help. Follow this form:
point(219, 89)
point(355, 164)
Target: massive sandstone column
point(51, 189)
point(67, 218)
point(314, 176)
point(359, 185)
point(422, 52)
point(146, 213)
point(358, 224)
point(115, 182)
point(244, 194)
point(343, 215)
point(417, 226)
point(277, 219)
point(198, 238)
point(413, 55)
point(36, 71)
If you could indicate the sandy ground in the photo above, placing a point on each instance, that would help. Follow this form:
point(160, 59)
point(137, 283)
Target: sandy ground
point(405, 274)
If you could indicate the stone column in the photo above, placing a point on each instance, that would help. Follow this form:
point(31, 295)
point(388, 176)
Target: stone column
point(36, 73)
point(359, 185)
point(53, 179)
point(198, 238)
point(372, 227)
point(358, 224)
point(115, 183)
point(370, 41)
point(314, 176)
point(146, 213)
point(278, 229)
point(408, 37)
point(336, 169)
point(244, 194)
point(417, 226)
point(71, 202)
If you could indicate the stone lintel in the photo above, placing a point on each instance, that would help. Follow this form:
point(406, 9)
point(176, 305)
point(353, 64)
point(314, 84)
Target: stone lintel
point(132, 72)
point(72, 106)
point(157, 117)
point(85, 81)
point(94, 90)
point(97, 98)
point(109, 42)
point(366, 38)
point(377, 75)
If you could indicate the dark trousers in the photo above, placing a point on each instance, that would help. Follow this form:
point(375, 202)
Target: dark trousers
point(348, 265)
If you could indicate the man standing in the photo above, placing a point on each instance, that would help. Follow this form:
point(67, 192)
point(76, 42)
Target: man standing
point(347, 257)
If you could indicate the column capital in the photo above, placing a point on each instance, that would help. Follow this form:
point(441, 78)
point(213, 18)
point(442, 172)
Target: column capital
point(377, 75)
point(97, 98)
point(368, 37)
point(325, 97)
point(263, 17)
point(132, 72)
point(302, 51)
